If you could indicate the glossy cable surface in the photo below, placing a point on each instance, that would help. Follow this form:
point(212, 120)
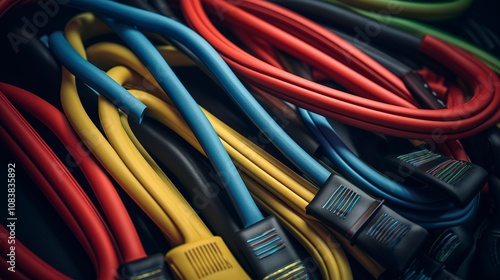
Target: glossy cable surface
point(94, 77)
point(106, 261)
point(206, 53)
point(402, 196)
point(30, 263)
point(412, 26)
point(245, 156)
point(166, 195)
point(182, 99)
point(383, 117)
point(434, 10)
point(104, 152)
point(117, 215)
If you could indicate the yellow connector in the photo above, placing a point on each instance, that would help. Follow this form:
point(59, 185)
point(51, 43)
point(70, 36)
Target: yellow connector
point(207, 259)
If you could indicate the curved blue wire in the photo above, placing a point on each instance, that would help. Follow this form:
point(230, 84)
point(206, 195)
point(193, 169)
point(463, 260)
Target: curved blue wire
point(195, 118)
point(211, 59)
point(179, 32)
point(428, 212)
point(95, 78)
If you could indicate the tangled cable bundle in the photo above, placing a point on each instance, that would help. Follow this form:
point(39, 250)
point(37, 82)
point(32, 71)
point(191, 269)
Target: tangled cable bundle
point(251, 139)
point(381, 103)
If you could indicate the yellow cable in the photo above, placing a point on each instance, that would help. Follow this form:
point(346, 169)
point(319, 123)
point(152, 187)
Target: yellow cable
point(168, 116)
point(102, 53)
point(106, 155)
point(217, 262)
point(373, 267)
point(245, 156)
point(100, 147)
point(142, 150)
point(119, 54)
point(176, 207)
point(174, 120)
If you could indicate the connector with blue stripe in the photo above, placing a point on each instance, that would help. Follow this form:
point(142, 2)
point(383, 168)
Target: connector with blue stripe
point(269, 251)
point(458, 180)
point(388, 237)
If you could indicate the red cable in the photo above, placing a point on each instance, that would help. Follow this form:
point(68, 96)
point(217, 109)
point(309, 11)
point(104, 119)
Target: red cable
point(400, 121)
point(29, 263)
point(123, 227)
point(452, 149)
point(327, 41)
point(49, 192)
point(57, 174)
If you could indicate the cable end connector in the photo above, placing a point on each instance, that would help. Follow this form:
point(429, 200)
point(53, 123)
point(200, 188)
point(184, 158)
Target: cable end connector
point(388, 237)
point(422, 92)
point(150, 268)
point(425, 267)
point(459, 180)
point(207, 259)
point(270, 252)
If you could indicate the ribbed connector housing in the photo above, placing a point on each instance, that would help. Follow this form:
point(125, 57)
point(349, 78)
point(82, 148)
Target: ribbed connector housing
point(458, 180)
point(388, 237)
point(269, 251)
point(207, 259)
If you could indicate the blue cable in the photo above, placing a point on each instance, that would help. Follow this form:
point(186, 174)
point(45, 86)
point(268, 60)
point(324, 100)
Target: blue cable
point(195, 118)
point(312, 169)
point(95, 78)
point(211, 59)
point(430, 213)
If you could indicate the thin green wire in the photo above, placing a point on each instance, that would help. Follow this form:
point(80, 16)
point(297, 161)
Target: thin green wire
point(416, 10)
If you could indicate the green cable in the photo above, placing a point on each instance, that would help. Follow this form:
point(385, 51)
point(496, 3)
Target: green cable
point(416, 10)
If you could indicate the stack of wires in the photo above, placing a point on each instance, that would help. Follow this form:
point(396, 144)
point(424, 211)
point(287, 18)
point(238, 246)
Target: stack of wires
point(154, 193)
point(290, 190)
point(60, 187)
point(279, 256)
point(131, 251)
point(419, 91)
point(292, 88)
point(255, 162)
point(396, 17)
point(384, 104)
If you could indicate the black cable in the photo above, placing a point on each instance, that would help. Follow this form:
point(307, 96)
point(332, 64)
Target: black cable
point(394, 65)
point(29, 64)
point(349, 21)
point(141, 4)
point(163, 8)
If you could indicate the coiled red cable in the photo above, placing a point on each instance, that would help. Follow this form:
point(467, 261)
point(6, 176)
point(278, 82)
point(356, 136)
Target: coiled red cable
point(378, 107)
point(100, 246)
point(120, 222)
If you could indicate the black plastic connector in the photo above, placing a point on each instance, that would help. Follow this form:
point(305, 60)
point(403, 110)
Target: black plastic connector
point(388, 237)
point(269, 252)
point(150, 268)
point(421, 91)
point(458, 180)
point(424, 267)
point(450, 246)
point(484, 149)
point(487, 255)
